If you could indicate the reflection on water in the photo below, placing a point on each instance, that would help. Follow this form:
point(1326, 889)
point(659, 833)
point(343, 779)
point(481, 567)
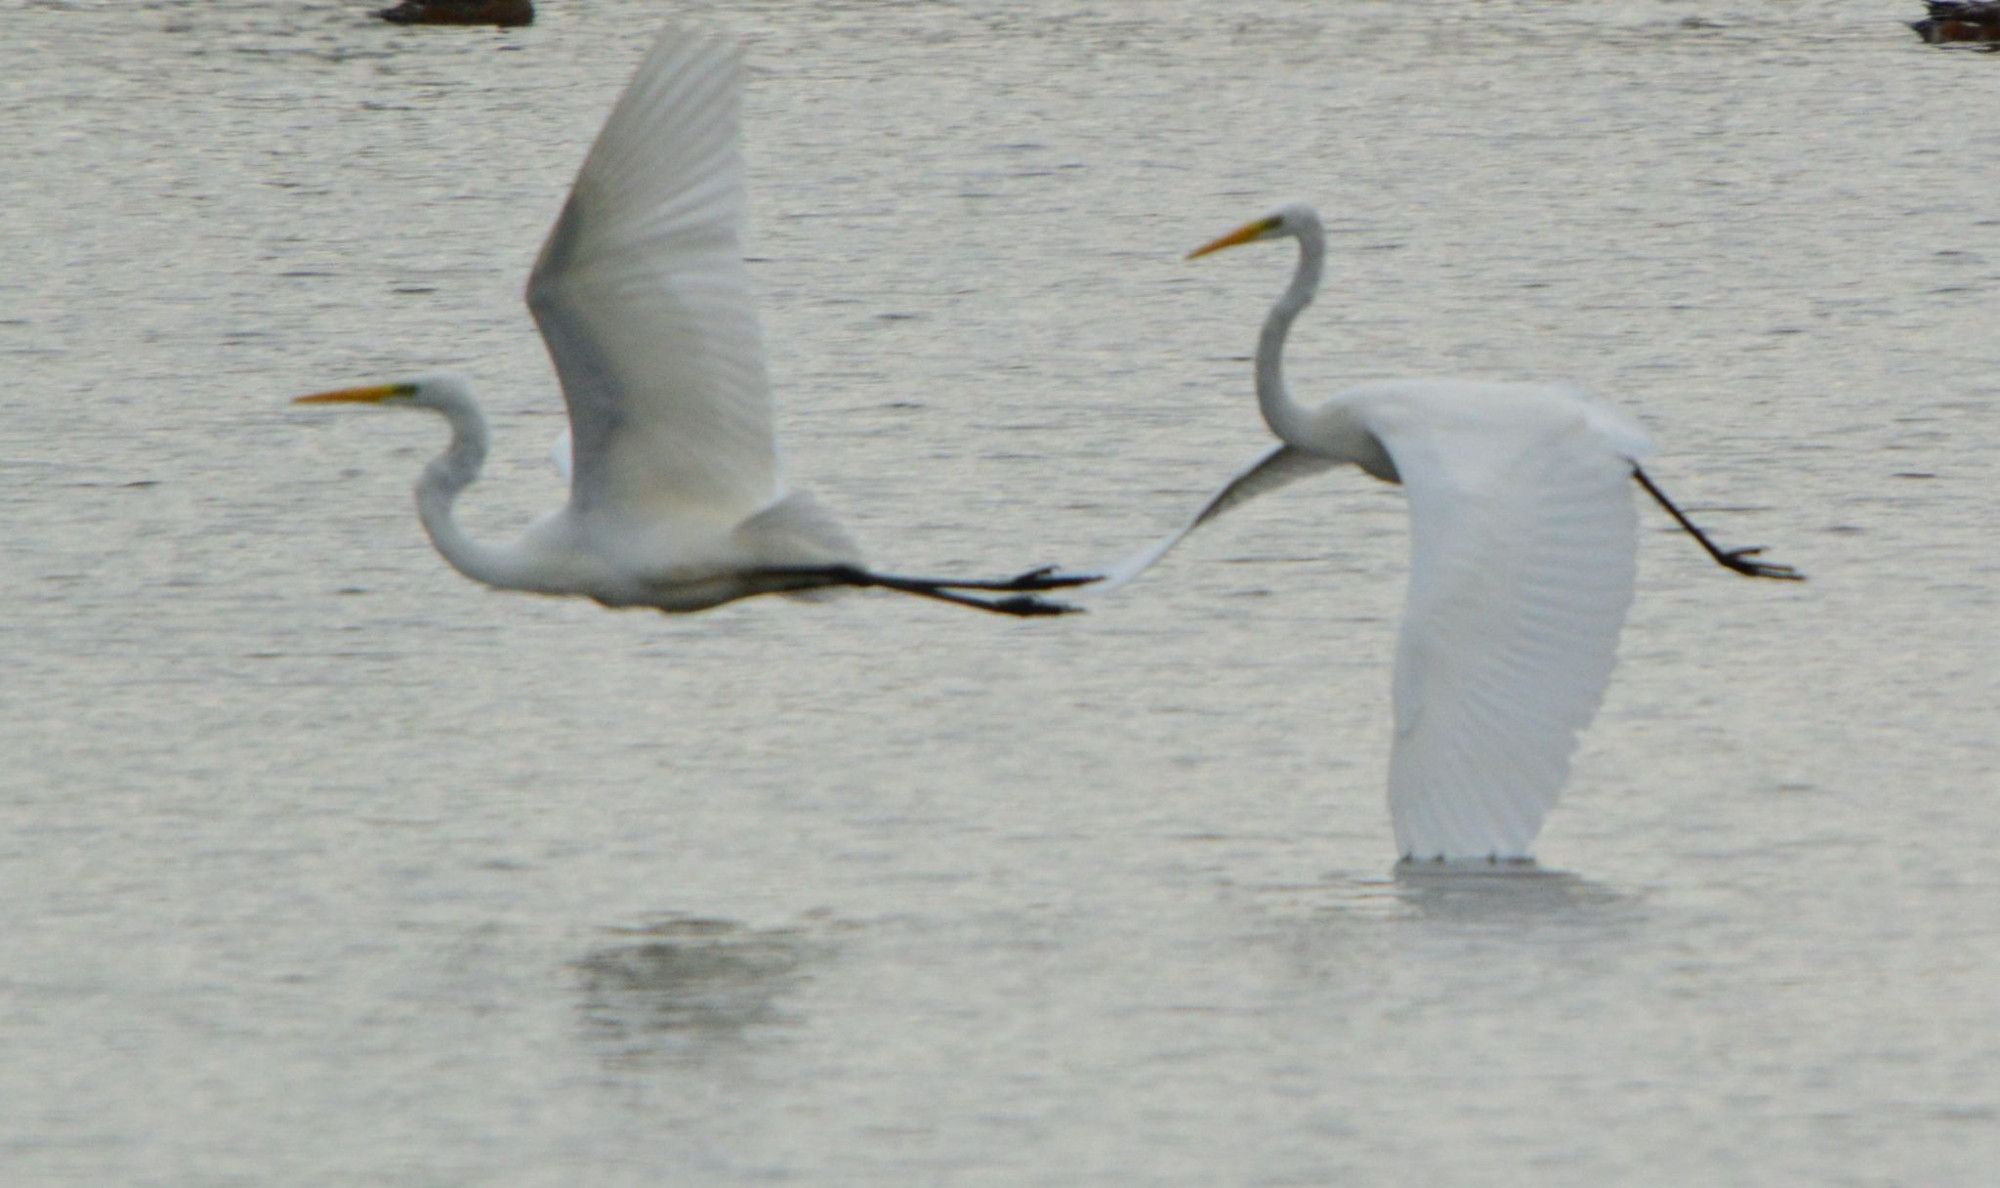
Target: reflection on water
point(1511, 893)
point(1505, 892)
point(1423, 939)
point(691, 986)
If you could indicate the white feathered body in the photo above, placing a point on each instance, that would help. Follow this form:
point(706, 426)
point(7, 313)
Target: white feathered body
point(677, 497)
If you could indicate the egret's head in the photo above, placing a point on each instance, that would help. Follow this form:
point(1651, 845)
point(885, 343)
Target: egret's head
point(1292, 219)
point(420, 391)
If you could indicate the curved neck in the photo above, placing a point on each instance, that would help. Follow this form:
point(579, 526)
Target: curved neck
point(1281, 412)
point(450, 473)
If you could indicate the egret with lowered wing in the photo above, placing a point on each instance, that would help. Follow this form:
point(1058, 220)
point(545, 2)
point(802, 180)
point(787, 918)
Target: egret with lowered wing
point(1523, 543)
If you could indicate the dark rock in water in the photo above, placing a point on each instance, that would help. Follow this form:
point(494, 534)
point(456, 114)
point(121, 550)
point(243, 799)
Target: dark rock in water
point(461, 12)
point(1960, 20)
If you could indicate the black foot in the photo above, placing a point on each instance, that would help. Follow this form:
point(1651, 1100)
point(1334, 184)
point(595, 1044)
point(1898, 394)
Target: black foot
point(1028, 605)
point(1046, 578)
point(461, 12)
point(1736, 559)
point(1739, 560)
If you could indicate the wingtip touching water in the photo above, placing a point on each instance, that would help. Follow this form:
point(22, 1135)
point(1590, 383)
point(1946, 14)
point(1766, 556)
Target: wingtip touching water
point(1523, 565)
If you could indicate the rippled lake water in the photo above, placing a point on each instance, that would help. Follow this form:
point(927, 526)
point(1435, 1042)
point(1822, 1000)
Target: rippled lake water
point(324, 865)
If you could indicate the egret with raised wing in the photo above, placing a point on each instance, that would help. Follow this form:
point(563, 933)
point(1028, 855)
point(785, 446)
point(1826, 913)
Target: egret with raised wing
point(641, 293)
point(1523, 547)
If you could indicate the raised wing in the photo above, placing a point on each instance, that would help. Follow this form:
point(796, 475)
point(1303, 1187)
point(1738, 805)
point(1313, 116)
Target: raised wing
point(1523, 541)
point(643, 297)
point(1281, 465)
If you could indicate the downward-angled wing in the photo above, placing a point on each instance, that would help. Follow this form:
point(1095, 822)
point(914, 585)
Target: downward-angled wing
point(1523, 542)
point(1281, 465)
point(644, 300)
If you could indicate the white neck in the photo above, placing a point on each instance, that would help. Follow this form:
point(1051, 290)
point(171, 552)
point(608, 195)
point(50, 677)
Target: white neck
point(450, 473)
point(1281, 412)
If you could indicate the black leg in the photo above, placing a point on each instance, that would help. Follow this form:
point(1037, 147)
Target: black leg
point(1736, 559)
point(1045, 578)
point(1024, 605)
point(1020, 604)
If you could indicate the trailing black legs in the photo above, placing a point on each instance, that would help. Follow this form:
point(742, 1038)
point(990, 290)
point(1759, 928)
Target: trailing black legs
point(1024, 603)
point(1739, 560)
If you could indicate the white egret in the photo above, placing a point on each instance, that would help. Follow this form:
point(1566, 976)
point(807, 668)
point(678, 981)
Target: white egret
point(641, 293)
point(1523, 543)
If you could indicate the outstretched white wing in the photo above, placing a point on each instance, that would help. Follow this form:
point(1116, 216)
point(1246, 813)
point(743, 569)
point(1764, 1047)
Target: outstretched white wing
point(643, 297)
point(1281, 465)
point(1523, 541)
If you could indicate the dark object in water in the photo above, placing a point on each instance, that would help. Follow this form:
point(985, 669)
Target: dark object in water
point(1960, 20)
point(461, 12)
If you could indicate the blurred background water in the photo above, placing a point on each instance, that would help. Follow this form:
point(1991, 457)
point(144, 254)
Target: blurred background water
point(323, 865)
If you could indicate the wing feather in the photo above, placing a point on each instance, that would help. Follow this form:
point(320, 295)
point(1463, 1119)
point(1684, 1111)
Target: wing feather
point(1523, 561)
point(644, 300)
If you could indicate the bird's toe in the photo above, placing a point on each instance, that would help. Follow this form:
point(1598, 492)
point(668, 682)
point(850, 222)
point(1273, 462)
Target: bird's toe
point(1049, 577)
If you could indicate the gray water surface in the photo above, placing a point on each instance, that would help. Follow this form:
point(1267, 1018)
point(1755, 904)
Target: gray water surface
point(322, 865)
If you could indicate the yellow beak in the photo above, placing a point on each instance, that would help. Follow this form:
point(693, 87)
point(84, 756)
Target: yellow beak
point(1241, 235)
point(374, 394)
